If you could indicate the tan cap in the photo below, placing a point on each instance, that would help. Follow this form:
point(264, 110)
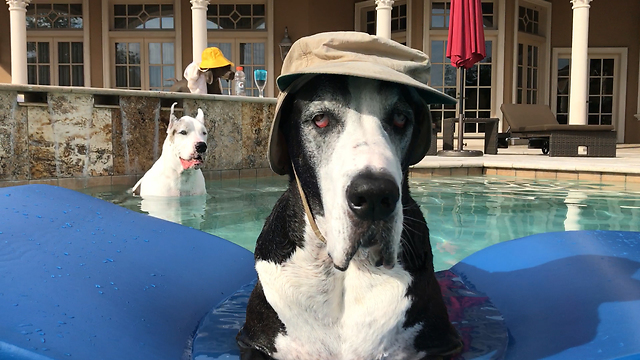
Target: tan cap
point(353, 54)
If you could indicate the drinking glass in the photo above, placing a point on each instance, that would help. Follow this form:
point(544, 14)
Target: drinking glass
point(260, 78)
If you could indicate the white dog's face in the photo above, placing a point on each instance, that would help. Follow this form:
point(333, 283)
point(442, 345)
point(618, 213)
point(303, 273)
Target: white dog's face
point(354, 134)
point(187, 138)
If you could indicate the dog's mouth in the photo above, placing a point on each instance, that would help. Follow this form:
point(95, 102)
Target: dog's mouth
point(372, 198)
point(374, 239)
point(193, 163)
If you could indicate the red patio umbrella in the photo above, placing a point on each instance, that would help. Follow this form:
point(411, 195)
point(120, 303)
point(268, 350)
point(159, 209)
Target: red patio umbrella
point(465, 47)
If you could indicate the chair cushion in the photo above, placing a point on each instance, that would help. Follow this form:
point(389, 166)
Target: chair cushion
point(562, 127)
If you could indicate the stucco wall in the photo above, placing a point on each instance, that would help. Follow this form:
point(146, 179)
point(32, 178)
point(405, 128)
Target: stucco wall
point(5, 44)
point(309, 17)
point(95, 44)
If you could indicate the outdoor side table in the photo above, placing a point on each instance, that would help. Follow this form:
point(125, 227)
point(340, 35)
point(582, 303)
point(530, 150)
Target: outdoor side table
point(490, 133)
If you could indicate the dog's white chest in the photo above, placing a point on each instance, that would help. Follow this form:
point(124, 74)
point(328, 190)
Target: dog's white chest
point(356, 314)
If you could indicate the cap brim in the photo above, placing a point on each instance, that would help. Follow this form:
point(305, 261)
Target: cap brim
point(369, 71)
point(215, 64)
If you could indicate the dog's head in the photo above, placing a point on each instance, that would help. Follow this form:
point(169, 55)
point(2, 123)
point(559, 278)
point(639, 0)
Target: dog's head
point(187, 139)
point(351, 141)
point(225, 72)
point(351, 117)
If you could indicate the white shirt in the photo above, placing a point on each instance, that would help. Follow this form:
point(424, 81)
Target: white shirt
point(195, 79)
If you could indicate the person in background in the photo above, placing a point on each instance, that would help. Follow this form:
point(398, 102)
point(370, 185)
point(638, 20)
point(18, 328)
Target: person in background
point(204, 77)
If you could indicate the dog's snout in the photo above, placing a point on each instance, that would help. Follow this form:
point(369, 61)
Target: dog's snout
point(372, 196)
point(201, 147)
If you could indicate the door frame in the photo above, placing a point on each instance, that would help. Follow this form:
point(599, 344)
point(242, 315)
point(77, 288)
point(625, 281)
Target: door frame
point(620, 56)
point(544, 70)
point(499, 43)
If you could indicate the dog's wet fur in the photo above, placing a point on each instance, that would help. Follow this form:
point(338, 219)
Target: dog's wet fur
point(370, 292)
point(177, 171)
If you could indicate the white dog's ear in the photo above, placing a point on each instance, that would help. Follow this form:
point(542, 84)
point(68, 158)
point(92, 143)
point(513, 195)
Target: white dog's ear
point(200, 116)
point(172, 118)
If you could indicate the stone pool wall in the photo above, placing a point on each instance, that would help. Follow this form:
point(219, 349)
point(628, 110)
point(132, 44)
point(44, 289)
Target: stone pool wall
point(80, 137)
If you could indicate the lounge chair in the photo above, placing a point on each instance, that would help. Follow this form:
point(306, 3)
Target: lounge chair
point(538, 124)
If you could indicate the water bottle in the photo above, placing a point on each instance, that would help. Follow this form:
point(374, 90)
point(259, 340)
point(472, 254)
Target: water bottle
point(239, 80)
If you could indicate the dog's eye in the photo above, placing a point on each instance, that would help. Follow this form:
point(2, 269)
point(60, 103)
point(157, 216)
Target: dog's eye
point(204, 133)
point(183, 132)
point(321, 120)
point(399, 120)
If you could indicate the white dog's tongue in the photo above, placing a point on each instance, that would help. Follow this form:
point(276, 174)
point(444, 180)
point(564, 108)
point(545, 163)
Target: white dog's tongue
point(186, 164)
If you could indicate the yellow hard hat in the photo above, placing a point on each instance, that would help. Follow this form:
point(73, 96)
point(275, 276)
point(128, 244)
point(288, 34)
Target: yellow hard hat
point(213, 58)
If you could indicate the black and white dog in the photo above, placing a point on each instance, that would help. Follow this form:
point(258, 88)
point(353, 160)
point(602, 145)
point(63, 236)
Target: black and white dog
point(364, 288)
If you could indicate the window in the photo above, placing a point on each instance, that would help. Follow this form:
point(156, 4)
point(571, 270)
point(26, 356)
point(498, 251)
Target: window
point(366, 19)
point(55, 47)
point(143, 45)
point(250, 54)
point(236, 17)
point(601, 90)
point(479, 94)
point(528, 20)
point(445, 79)
point(143, 16)
point(128, 65)
point(606, 86)
point(147, 64)
point(240, 31)
point(477, 87)
point(39, 62)
point(531, 53)
point(440, 12)
point(54, 16)
point(527, 74)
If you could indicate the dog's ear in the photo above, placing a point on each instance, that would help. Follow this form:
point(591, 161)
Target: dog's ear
point(200, 116)
point(172, 118)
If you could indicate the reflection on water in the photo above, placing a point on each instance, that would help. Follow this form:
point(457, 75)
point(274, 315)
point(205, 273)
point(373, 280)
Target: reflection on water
point(186, 210)
point(233, 209)
point(464, 214)
point(468, 214)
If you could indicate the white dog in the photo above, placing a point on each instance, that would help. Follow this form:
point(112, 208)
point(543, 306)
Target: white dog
point(177, 171)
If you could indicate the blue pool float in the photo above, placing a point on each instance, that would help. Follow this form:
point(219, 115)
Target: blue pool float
point(81, 278)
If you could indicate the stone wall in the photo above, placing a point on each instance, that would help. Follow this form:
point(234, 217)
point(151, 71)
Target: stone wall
point(78, 137)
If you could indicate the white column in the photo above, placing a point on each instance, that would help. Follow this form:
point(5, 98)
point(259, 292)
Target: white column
point(579, 63)
point(18, 19)
point(199, 27)
point(383, 18)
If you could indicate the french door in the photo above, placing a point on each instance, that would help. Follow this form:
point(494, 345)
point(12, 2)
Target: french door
point(478, 89)
point(143, 64)
point(604, 86)
point(528, 71)
point(55, 61)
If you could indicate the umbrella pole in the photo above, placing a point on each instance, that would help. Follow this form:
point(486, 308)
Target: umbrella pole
point(461, 74)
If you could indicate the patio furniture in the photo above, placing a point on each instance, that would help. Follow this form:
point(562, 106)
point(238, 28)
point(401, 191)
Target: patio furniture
point(490, 133)
point(433, 148)
point(538, 124)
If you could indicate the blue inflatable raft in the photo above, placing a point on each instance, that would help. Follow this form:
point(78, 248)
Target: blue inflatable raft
point(81, 278)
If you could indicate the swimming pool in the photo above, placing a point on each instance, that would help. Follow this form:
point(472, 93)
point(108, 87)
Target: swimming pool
point(465, 214)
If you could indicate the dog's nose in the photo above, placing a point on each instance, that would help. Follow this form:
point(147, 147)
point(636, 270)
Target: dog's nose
point(201, 147)
point(372, 196)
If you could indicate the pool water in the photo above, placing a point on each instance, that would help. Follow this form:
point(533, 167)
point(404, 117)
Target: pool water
point(465, 214)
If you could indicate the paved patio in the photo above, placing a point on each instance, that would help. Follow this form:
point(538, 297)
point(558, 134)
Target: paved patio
point(523, 162)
